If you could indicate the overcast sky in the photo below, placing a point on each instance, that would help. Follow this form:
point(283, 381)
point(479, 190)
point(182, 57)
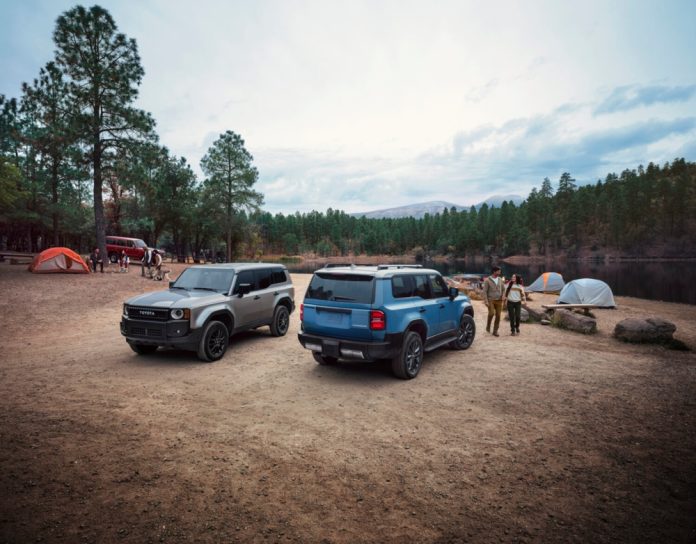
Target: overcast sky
point(367, 105)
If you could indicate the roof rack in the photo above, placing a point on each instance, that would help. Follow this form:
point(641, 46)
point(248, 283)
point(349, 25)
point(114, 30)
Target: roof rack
point(387, 266)
point(337, 265)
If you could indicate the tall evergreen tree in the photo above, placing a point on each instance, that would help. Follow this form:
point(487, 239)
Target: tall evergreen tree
point(231, 176)
point(104, 71)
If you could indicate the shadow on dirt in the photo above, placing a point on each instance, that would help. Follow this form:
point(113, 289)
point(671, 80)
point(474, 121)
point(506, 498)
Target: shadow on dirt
point(377, 371)
point(173, 356)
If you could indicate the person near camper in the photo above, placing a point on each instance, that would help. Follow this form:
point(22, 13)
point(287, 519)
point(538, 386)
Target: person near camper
point(493, 290)
point(514, 295)
point(96, 259)
point(146, 262)
point(157, 263)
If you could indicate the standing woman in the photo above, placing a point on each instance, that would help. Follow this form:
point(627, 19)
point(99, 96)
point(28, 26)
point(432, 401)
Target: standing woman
point(515, 295)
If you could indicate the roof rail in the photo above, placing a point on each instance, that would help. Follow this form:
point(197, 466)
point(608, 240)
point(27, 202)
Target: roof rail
point(336, 265)
point(387, 266)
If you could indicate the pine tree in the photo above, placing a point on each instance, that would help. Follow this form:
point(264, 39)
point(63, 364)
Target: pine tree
point(103, 70)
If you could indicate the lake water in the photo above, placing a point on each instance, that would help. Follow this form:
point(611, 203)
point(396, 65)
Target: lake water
point(673, 281)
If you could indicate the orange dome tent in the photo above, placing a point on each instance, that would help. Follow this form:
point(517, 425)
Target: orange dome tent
point(58, 259)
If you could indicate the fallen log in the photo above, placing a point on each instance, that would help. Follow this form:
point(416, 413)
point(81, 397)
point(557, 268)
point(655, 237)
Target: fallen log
point(535, 315)
point(566, 319)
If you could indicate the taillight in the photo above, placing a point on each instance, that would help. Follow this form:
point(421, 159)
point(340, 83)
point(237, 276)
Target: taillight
point(301, 312)
point(378, 321)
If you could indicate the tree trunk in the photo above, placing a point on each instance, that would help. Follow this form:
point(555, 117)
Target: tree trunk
point(54, 189)
point(229, 245)
point(99, 224)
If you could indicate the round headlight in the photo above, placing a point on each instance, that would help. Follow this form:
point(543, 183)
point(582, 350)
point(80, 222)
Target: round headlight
point(177, 314)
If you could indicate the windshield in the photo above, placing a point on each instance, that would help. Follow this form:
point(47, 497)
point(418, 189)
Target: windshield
point(341, 287)
point(140, 243)
point(212, 279)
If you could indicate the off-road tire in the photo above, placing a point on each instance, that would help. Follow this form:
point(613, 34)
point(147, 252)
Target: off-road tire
point(143, 349)
point(113, 258)
point(281, 321)
point(465, 333)
point(324, 360)
point(407, 363)
point(214, 341)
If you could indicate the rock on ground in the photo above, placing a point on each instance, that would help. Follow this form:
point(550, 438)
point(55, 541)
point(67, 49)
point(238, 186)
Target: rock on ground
point(574, 322)
point(654, 330)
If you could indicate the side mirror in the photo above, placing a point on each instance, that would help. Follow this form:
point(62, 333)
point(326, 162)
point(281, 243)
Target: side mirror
point(171, 284)
point(244, 289)
point(453, 293)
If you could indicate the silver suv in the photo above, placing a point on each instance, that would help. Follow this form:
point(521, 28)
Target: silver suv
point(208, 304)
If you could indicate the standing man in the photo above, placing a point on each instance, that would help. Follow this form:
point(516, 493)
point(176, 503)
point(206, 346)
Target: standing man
point(147, 261)
point(493, 290)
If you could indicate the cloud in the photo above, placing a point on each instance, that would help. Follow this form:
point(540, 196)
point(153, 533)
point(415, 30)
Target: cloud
point(628, 97)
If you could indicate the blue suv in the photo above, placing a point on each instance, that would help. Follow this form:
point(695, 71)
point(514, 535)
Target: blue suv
point(394, 312)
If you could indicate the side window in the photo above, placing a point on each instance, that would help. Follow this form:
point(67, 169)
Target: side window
point(403, 286)
point(421, 289)
point(130, 243)
point(109, 241)
point(438, 287)
point(246, 276)
point(278, 277)
point(263, 278)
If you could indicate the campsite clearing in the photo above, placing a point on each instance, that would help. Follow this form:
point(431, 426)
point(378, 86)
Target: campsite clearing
point(544, 437)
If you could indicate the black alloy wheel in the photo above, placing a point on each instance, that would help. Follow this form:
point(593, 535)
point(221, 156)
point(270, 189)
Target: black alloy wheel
point(281, 321)
point(465, 333)
point(407, 363)
point(214, 341)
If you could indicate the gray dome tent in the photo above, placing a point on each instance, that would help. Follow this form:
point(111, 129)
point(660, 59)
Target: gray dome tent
point(548, 282)
point(587, 291)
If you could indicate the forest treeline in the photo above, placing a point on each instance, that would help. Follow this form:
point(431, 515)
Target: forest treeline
point(634, 213)
point(78, 161)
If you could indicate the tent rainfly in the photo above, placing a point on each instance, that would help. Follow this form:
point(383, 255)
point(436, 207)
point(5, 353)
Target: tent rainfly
point(587, 291)
point(57, 260)
point(548, 282)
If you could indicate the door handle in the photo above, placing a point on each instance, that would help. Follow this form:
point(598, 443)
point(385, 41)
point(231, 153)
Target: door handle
point(442, 305)
point(276, 294)
point(257, 297)
point(422, 310)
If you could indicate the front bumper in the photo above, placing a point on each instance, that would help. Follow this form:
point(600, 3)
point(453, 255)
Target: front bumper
point(174, 334)
point(348, 349)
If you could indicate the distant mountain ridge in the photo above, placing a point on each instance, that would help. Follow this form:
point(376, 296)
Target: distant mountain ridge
point(419, 210)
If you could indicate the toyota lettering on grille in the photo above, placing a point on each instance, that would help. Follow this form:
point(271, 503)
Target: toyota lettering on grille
point(147, 312)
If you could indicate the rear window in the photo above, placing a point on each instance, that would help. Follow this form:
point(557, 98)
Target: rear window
point(341, 287)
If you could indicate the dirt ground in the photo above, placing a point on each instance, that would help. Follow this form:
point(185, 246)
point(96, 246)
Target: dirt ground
point(547, 437)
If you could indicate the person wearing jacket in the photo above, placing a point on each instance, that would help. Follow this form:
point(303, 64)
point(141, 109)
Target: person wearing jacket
point(514, 294)
point(493, 290)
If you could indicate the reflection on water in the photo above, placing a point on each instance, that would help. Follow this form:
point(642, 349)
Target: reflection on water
point(668, 281)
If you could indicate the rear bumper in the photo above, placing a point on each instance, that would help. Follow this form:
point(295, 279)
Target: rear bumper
point(174, 334)
point(348, 349)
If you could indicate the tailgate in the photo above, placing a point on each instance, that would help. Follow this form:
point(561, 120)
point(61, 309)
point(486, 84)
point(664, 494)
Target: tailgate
point(350, 322)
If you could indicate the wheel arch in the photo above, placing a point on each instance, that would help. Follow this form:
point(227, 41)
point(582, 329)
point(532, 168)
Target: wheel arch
point(224, 316)
point(420, 327)
point(285, 301)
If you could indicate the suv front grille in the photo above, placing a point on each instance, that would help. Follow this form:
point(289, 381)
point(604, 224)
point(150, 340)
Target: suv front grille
point(149, 314)
point(149, 331)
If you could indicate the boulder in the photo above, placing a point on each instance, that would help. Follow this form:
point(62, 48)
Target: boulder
point(653, 330)
point(574, 322)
